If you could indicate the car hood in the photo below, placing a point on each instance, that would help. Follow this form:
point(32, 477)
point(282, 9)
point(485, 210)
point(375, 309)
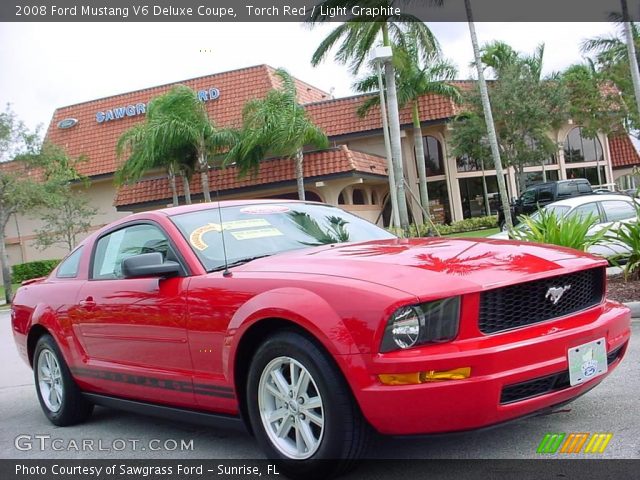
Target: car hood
point(430, 267)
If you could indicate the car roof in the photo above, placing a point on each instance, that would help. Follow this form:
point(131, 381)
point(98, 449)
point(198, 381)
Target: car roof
point(573, 202)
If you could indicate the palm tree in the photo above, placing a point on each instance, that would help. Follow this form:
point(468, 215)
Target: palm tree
point(415, 79)
point(358, 37)
point(488, 116)
point(618, 57)
point(177, 136)
point(278, 126)
point(142, 157)
point(182, 124)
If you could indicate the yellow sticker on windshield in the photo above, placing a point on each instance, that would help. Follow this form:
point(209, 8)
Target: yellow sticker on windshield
point(196, 236)
point(257, 233)
point(250, 223)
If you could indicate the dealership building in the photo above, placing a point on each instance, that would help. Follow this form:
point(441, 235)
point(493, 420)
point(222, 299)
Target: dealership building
point(351, 173)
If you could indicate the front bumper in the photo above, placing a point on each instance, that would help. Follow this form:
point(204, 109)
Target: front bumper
point(496, 361)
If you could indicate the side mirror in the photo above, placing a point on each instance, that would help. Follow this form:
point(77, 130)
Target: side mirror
point(149, 265)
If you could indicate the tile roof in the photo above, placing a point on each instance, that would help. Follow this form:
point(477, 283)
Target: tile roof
point(316, 165)
point(97, 140)
point(623, 153)
point(340, 117)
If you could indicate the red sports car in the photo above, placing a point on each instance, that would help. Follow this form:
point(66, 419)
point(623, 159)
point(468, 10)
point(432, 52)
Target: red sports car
point(314, 327)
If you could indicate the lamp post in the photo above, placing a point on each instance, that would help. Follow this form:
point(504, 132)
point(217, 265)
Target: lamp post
point(378, 56)
point(384, 55)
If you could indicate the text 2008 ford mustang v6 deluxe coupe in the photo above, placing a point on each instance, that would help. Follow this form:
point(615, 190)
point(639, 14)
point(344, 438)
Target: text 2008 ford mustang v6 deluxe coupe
point(312, 326)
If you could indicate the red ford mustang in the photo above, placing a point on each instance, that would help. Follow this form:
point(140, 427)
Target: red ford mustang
point(313, 326)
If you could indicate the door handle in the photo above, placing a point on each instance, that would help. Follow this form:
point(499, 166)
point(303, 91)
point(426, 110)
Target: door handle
point(88, 303)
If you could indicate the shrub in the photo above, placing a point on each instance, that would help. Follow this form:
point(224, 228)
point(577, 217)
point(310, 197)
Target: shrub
point(29, 270)
point(546, 227)
point(466, 225)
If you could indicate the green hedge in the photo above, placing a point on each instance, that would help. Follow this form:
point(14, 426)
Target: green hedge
point(29, 270)
point(466, 225)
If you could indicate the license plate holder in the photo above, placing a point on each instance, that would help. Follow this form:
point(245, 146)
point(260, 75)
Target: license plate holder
point(587, 361)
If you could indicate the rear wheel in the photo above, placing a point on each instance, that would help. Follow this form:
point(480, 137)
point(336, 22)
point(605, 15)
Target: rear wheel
point(59, 396)
point(301, 408)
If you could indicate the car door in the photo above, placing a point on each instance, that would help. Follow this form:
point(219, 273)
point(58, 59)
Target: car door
point(133, 330)
point(616, 213)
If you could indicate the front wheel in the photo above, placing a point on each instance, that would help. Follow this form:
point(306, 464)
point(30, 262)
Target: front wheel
point(301, 409)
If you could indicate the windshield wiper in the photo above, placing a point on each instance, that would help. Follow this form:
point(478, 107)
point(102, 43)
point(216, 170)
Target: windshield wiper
point(238, 262)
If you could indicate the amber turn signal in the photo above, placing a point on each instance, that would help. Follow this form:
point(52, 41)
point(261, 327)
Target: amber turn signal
point(423, 377)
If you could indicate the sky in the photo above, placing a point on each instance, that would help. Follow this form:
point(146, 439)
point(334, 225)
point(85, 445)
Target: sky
point(44, 66)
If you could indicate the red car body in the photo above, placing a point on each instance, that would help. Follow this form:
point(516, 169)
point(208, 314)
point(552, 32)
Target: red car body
point(182, 341)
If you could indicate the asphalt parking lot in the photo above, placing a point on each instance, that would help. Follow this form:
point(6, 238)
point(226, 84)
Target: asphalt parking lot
point(26, 434)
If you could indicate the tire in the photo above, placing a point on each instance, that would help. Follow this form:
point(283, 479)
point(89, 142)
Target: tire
point(60, 398)
point(326, 432)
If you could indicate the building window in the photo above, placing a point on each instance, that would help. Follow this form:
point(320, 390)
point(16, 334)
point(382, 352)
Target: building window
point(341, 199)
point(439, 201)
point(531, 178)
point(434, 162)
point(358, 197)
point(467, 164)
point(590, 173)
point(578, 148)
point(472, 197)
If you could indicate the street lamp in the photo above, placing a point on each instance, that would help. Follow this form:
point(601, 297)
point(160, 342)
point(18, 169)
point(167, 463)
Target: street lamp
point(379, 55)
point(384, 55)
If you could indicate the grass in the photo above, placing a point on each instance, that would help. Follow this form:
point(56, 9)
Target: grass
point(475, 233)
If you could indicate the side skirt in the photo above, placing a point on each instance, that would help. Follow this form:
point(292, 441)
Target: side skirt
point(230, 422)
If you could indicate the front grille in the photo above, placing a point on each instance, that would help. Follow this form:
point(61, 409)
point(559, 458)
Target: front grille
point(541, 385)
point(531, 302)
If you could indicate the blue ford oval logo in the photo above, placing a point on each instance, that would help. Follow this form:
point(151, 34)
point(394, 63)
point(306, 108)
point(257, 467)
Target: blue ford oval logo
point(67, 123)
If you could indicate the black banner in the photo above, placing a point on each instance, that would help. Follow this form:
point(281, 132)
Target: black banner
point(120, 469)
point(301, 10)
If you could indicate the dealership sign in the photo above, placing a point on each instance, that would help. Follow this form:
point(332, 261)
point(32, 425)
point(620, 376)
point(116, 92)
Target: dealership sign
point(141, 108)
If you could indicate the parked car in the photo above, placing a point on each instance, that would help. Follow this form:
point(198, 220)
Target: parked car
point(313, 327)
point(609, 212)
point(542, 194)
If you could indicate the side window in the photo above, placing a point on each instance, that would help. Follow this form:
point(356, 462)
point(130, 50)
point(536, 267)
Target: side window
point(545, 195)
point(69, 266)
point(528, 196)
point(617, 210)
point(116, 246)
point(589, 209)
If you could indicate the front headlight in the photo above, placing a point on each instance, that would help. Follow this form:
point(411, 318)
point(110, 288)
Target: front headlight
point(431, 322)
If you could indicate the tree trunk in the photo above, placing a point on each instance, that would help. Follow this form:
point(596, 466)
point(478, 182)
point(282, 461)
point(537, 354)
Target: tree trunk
point(395, 217)
point(299, 159)
point(420, 159)
point(172, 185)
point(187, 189)
point(394, 131)
point(4, 260)
point(396, 144)
point(488, 117)
point(485, 190)
point(204, 173)
point(631, 53)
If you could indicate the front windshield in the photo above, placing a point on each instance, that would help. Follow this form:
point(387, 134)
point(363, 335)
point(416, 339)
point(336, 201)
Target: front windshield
point(252, 231)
